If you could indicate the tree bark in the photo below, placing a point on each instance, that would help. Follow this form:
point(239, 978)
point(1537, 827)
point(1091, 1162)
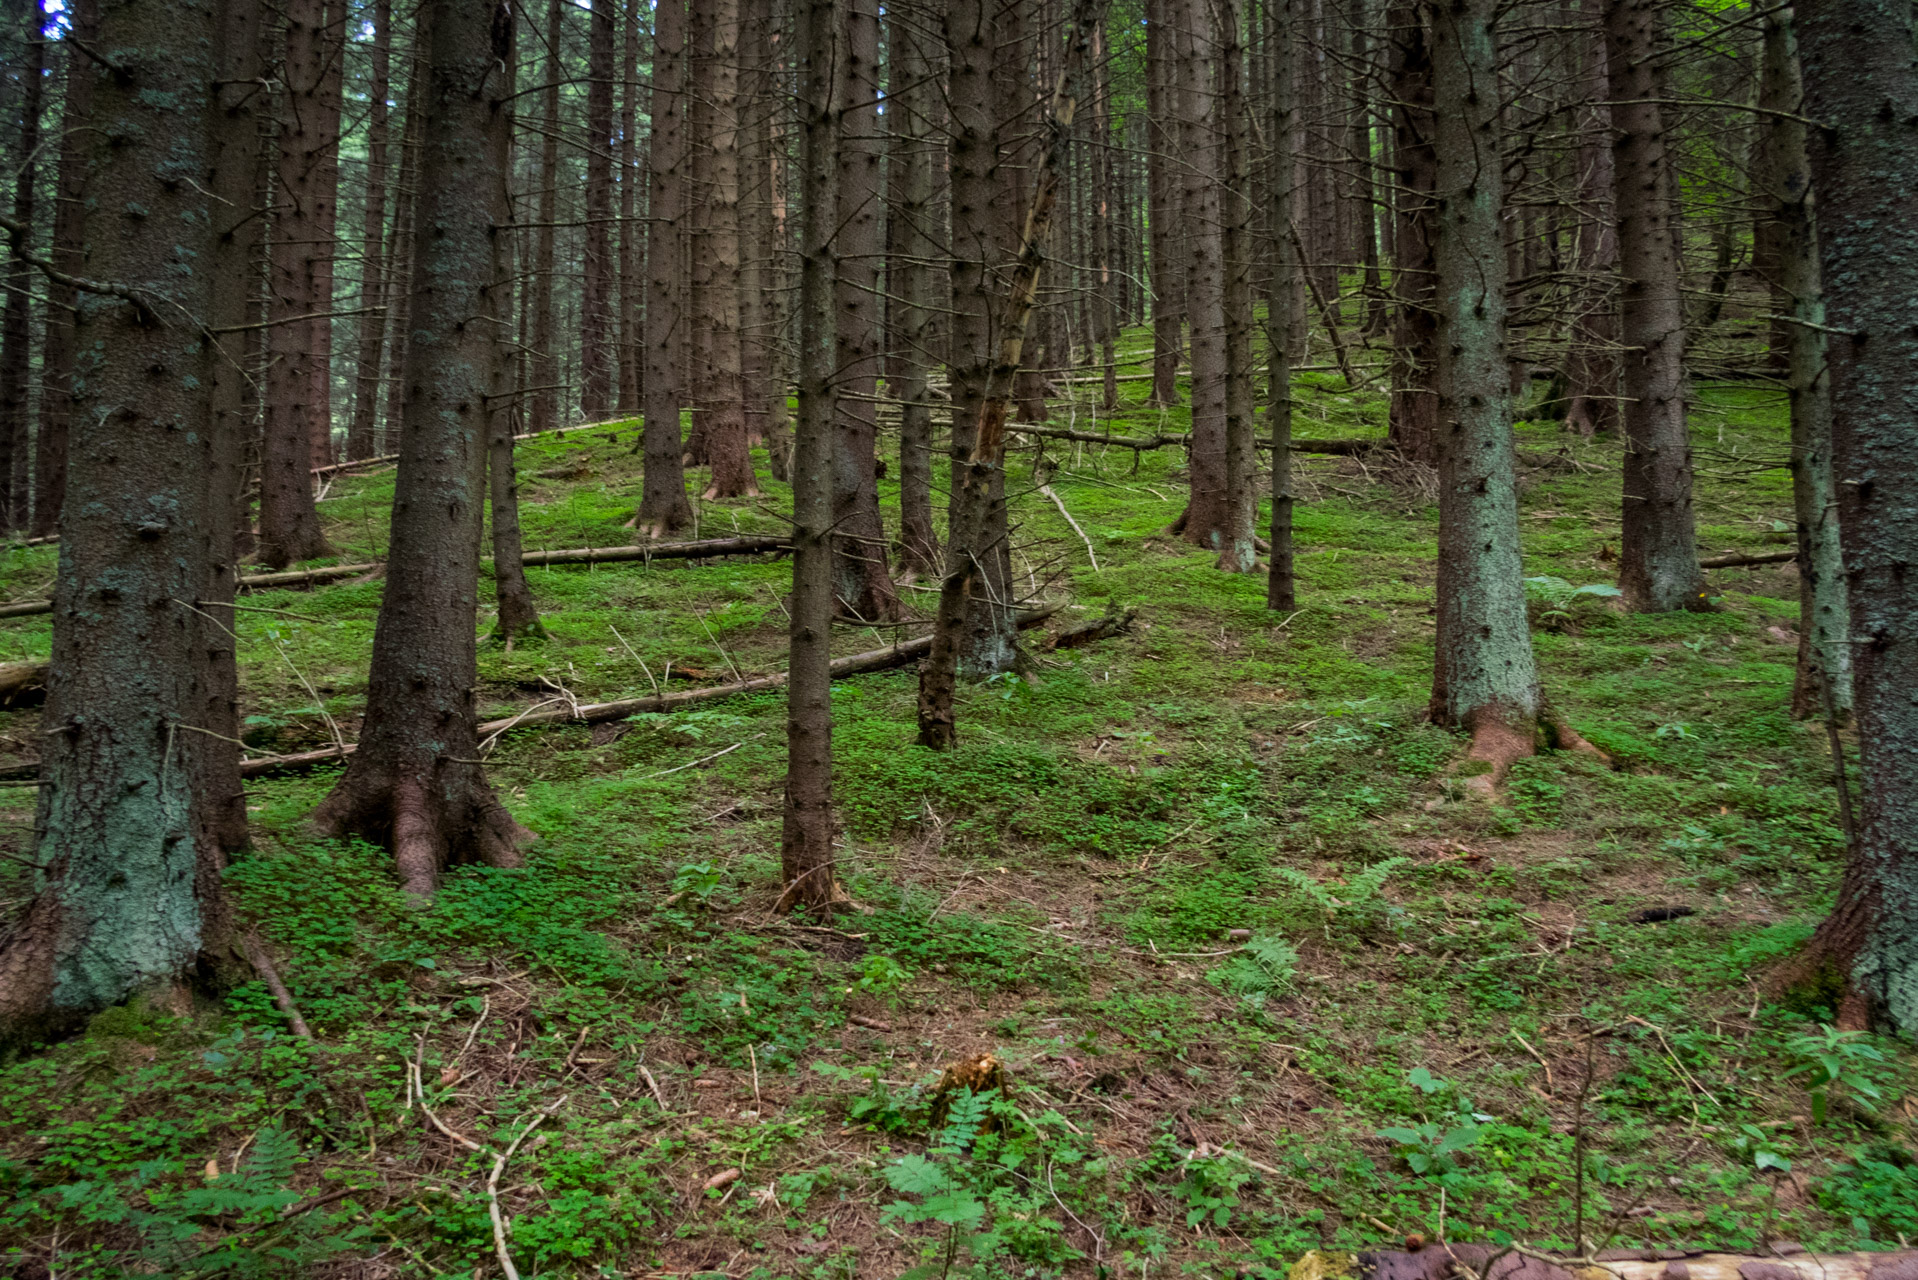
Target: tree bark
point(1282, 302)
point(544, 370)
point(1484, 679)
point(861, 582)
point(1591, 360)
point(1658, 549)
point(807, 864)
point(598, 337)
point(914, 102)
point(1862, 86)
point(985, 456)
point(325, 189)
point(289, 522)
point(1235, 243)
point(415, 783)
point(1162, 186)
point(399, 294)
point(1204, 520)
point(121, 903)
point(663, 508)
point(372, 319)
point(1413, 421)
point(725, 409)
point(1786, 225)
point(631, 280)
point(16, 322)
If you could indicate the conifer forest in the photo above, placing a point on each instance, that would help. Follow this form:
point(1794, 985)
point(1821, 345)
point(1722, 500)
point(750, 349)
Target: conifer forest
point(916, 639)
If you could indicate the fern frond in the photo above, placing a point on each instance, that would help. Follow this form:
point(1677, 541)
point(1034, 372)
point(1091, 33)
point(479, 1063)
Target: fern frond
point(1366, 885)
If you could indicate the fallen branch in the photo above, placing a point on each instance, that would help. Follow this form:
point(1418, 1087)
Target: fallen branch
point(256, 955)
point(1738, 559)
point(337, 468)
point(20, 681)
point(492, 1193)
point(1086, 633)
point(1059, 503)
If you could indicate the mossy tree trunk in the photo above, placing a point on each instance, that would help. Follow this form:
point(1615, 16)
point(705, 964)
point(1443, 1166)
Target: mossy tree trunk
point(415, 783)
point(1862, 85)
point(122, 895)
point(1484, 679)
point(1658, 549)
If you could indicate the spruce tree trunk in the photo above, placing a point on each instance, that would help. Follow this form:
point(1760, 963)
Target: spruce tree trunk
point(1162, 199)
point(399, 294)
point(1413, 420)
point(326, 219)
point(1862, 86)
point(1235, 241)
point(1204, 520)
point(663, 507)
point(725, 408)
point(806, 861)
point(761, 235)
point(1282, 302)
point(598, 362)
point(120, 907)
point(16, 322)
point(1484, 679)
point(69, 256)
point(696, 347)
point(1591, 360)
point(372, 318)
point(1782, 185)
point(415, 783)
point(861, 582)
point(631, 283)
point(1658, 550)
point(914, 103)
point(1105, 199)
point(545, 355)
point(289, 522)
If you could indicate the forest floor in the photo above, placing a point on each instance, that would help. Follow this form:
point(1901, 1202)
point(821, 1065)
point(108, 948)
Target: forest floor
point(1440, 1010)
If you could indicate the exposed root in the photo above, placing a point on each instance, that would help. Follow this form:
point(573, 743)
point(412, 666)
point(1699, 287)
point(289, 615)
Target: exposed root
point(446, 819)
point(1560, 736)
point(1497, 744)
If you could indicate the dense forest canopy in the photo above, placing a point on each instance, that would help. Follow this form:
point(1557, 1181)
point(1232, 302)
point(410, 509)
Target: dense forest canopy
point(959, 637)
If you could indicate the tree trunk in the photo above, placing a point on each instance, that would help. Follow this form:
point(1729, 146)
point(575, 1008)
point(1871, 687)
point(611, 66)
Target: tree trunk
point(973, 497)
point(597, 335)
point(1204, 521)
point(372, 318)
point(1862, 86)
point(326, 218)
point(1282, 303)
point(696, 348)
point(415, 783)
point(663, 508)
point(631, 283)
point(545, 355)
point(1658, 550)
point(1105, 199)
point(1781, 185)
point(725, 409)
point(914, 102)
point(399, 293)
point(1484, 679)
point(121, 907)
point(807, 864)
point(16, 323)
point(1240, 430)
point(69, 255)
point(1591, 360)
point(289, 522)
point(860, 579)
point(1162, 220)
point(1413, 420)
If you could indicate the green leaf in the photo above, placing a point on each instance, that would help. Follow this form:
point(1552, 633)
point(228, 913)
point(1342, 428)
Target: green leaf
point(1405, 1137)
point(1418, 1077)
point(954, 1208)
point(916, 1175)
point(1772, 1160)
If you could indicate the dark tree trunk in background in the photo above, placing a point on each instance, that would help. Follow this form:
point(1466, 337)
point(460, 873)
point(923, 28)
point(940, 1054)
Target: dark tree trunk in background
point(1105, 198)
point(598, 337)
point(759, 243)
point(1204, 521)
point(1484, 679)
point(727, 449)
point(16, 323)
point(1413, 422)
point(69, 256)
point(631, 282)
point(696, 270)
point(971, 37)
point(663, 508)
point(1282, 302)
point(1781, 184)
point(1162, 187)
point(860, 579)
point(1862, 86)
point(399, 294)
point(122, 906)
point(1658, 551)
point(806, 861)
point(545, 355)
point(372, 321)
point(414, 783)
point(914, 103)
point(1591, 362)
point(326, 218)
point(289, 522)
point(1235, 240)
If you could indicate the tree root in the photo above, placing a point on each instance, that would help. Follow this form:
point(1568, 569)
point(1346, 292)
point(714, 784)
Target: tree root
point(446, 819)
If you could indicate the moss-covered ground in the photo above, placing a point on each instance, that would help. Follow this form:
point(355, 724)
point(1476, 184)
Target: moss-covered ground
point(1258, 976)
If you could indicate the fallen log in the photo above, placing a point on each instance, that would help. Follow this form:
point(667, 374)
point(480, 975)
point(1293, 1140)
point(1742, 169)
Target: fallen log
point(1346, 448)
point(1453, 1261)
point(340, 468)
point(22, 682)
point(1098, 629)
point(705, 548)
point(1739, 559)
point(897, 655)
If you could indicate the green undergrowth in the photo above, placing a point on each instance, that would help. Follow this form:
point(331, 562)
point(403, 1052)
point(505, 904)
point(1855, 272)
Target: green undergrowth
point(1260, 977)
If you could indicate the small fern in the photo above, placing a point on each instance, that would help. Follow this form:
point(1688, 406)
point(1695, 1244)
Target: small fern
point(1359, 905)
point(1263, 967)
